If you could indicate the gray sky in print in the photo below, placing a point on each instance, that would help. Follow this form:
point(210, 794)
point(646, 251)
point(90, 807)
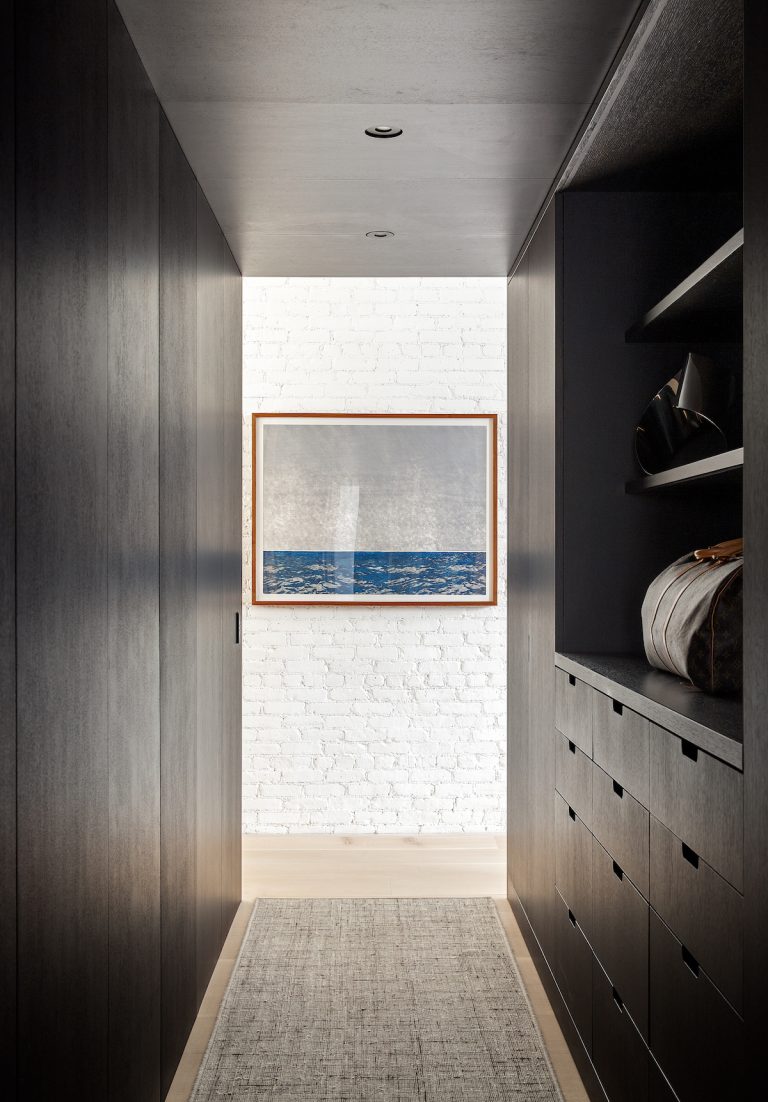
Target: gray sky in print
point(374, 488)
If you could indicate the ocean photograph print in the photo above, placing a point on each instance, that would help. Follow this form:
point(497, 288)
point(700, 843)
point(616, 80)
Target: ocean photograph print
point(374, 509)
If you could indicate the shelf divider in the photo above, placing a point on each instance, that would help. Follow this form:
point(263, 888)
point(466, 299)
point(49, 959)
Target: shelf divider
point(705, 306)
point(725, 467)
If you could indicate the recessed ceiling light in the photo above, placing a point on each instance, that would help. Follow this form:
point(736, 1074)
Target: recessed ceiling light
point(383, 131)
point(379, 233)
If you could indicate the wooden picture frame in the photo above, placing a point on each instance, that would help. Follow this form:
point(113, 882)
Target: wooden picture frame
point(439, 574)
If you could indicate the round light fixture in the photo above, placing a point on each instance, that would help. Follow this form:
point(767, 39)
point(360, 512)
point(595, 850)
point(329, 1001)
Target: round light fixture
point(379, 233)
point(383, 131)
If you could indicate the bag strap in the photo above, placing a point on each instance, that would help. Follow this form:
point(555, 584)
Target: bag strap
point(728, 549)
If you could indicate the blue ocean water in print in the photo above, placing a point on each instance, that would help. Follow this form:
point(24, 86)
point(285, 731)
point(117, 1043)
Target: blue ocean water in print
point(406, 573)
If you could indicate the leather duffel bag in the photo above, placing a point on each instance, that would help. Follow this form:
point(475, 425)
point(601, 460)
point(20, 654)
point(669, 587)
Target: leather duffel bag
point(692, 618)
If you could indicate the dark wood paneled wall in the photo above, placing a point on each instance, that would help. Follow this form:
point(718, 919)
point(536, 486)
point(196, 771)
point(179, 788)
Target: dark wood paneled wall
point(518, 586)
point(133, 609)
point(532, 350)
point(210, 580)
point(62, 549)
point(123, 570)
point(178, 593)
point(7, 556)
point(756, 536)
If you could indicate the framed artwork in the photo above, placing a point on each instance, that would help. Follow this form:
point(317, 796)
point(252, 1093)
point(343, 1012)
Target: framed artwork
point(374, 509)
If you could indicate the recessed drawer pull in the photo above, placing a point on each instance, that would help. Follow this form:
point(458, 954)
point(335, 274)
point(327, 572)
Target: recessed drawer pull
point(571, 679)
point(691, 857)
point(689, 750)
point(572, 746)
point(572, 813)
point(618, 708)
point(571, 917)
point(690, 961)
point(618, 1000)
point(618, 871)
point(618, 790)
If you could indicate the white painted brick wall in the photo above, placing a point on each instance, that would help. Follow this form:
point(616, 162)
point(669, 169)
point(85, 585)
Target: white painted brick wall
point(374, 719)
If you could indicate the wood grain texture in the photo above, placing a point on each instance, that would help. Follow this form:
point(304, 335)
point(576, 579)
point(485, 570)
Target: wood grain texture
point(62, 297)
point(133, 547)
point(210, 581)
point(232, 585)
point(572, 958)
point(712, 723)
point(518, 587)
point(621, 745)
point(696, 1037)
point(701, 909)
point(178, 595)
point(618, 1052)
point(755, 532)
point(573, 863)
point(621, 824)
point(701, 800)
point(574, 706)
point(541, 502)
point(573, 777)
point(7, 555)
point(620, 934)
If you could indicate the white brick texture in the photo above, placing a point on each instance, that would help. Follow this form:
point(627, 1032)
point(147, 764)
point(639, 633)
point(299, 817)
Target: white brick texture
point(368, 720)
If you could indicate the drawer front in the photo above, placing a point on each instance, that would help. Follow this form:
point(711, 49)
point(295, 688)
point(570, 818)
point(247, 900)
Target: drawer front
point(659, 1089)
point(620, 745)
point(621, 824)
point(573, 777)
point(573, 710)
point(695, 1036)
point(700, 908)
point(618, 1052)
point(620, 934)
point(701, 800)
point(573, 862)
point(573, 970)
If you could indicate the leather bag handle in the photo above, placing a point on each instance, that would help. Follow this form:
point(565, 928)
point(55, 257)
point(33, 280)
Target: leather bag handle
point(728, 549)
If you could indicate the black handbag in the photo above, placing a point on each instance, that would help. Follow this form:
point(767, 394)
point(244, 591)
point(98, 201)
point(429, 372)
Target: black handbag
point(692, 618)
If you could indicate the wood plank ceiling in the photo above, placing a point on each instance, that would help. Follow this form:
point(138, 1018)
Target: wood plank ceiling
point(270, 100)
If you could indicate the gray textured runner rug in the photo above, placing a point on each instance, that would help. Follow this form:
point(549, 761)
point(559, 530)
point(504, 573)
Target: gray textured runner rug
point(375, 1000)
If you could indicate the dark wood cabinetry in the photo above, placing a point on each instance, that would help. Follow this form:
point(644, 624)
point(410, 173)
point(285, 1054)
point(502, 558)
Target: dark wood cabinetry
point(573, 968)
point(573, 777)
point(702, 908)
point(695, 1035)
point(701, 800)
point(619, 1054)
point(101, 567)
point(663, 780)
point(620, 822)
point(620, 933)
point(621, 745)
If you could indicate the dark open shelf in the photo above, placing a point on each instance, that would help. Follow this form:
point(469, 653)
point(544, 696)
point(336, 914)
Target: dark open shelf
point(706, 306)
point(717, 470)
point(713, 723)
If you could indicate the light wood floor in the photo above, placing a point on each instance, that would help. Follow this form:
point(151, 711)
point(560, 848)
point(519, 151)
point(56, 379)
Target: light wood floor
point(346, 866)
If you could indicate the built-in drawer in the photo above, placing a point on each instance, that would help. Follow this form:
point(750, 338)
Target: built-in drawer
point(621, 824)
point(695, 1035)
point(573, 777)
point(573, 862)
point(620, 933)
point(573, 710)
point(618, 1051)
point(620, 744)
point(701, 800)
point(573, 969)
point(659, 1089)
point(700, 908)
